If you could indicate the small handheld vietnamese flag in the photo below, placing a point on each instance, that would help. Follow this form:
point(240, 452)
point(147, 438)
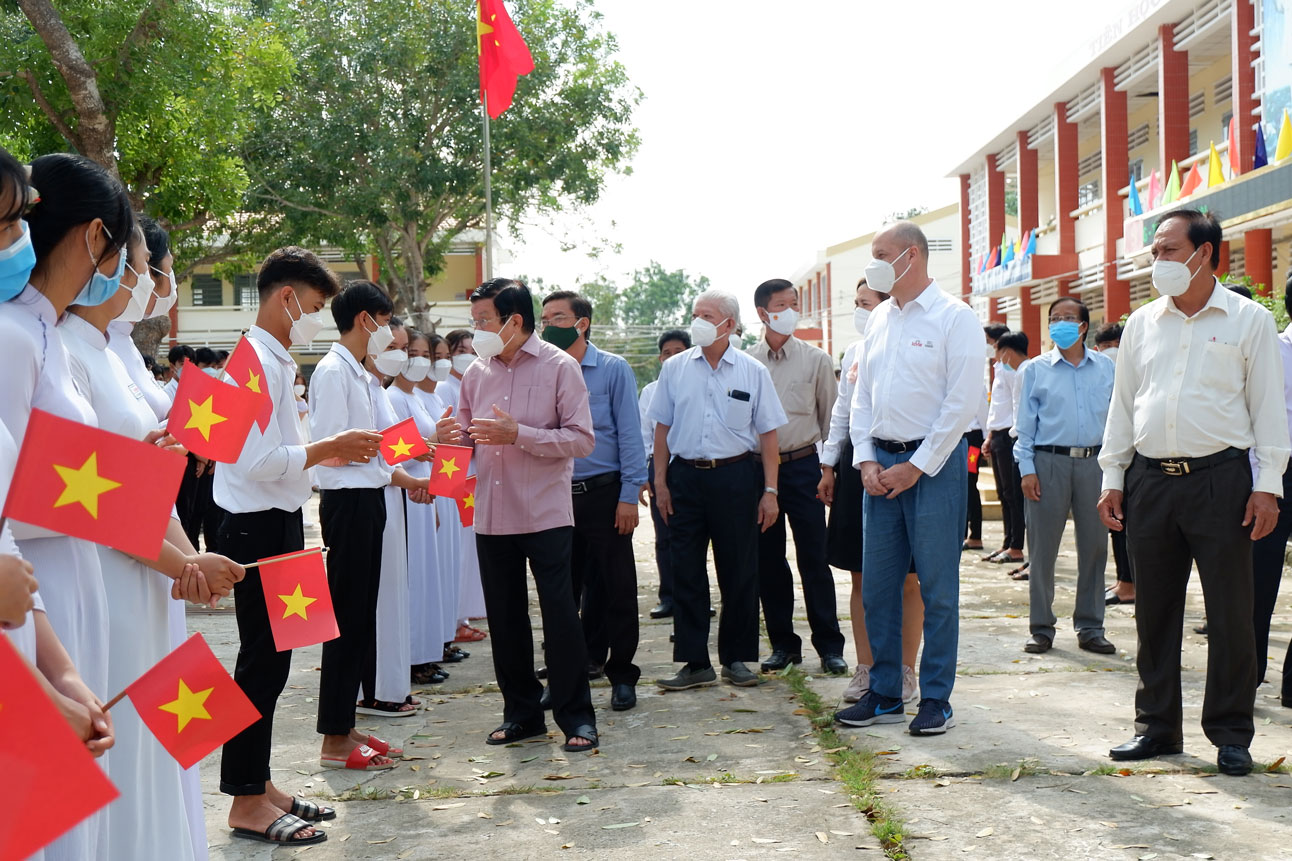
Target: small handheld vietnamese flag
point(246, 370)
point(190, 702)
point(402, 442)
point(91, 484)
point(36, 773)
point(449, 471)
point(467, 504)
point(974, 454)
point(211, 418)
point(298, 599)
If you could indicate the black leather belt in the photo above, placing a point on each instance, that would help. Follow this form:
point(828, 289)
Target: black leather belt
point(1188, 466)
point(583, 485)
point(1070, 451)
point(789, 456)
point(892, 447)
point(713, 464)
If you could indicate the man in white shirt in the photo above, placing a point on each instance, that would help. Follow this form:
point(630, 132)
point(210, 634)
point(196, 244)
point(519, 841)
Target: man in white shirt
point(1011, 353)
point(1199, 384)
point(262, 494)
point(918, 386)
point(671, 343)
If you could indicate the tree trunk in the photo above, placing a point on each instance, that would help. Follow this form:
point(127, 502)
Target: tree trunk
point(148, 334)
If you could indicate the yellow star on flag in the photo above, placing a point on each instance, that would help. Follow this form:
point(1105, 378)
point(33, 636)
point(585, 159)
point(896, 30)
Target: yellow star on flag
point(449, 466)
point(402, 449)
point(188, 705)
point(202, 417)
point(481, 29)
point(253, 381)
point(84, 485)
point(296, 603)
point(469, 501)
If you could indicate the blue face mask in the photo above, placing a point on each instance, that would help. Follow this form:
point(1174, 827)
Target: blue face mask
point(16, 263)
point(1065, 334)
point(100, 288)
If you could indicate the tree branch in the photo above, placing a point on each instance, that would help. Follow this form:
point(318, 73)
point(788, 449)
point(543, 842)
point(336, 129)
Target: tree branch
point(51, 114)
point(143, 25)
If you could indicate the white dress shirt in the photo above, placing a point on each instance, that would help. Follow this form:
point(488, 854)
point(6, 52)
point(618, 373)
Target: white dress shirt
point(172, 385)
point(643, 409)
point(270, 472)
point(842, 407)
point(120, 343)
point(341, 399)
point(1188, 387)
point(101, 378)
point(1000, 407)
point(919, 377)
point(1016, 397)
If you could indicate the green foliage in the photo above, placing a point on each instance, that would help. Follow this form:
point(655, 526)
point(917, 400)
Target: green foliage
point(657, 297)
point(1261, 294)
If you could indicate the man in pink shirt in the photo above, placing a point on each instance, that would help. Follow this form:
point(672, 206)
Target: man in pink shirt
point(525, 408)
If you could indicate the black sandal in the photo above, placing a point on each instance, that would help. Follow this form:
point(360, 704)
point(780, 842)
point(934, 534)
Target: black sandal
point(282, 832)
point(514, 732)
point(311, 812)
point(382, 708)
point(587, 733)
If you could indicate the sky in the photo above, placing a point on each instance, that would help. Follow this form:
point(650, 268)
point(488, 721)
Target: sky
point(771, 129)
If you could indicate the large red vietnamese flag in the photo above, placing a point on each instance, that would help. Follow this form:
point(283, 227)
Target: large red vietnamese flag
point(401, 442)
point(212, 418)
point(190, 702)
point(41, 759)
point(245, 369)
point(467, 504)
point(298, 599)
point(91, 484)
point(449, 471)
point(504, 56)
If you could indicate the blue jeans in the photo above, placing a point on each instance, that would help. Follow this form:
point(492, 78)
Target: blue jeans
point(922, 526)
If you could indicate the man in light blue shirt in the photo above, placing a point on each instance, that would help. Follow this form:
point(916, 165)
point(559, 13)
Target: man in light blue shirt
point(605, 487)
point(1065, 395)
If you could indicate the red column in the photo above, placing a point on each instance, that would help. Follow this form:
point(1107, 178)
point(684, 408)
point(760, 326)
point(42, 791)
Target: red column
point(966, 261)
point(1223, 268)
point(1242, 19)
point(1113, 142)
point(995, 219)
point(1172, 101)
point(1029, 204)
point(1258, 259)
point(1065, 183)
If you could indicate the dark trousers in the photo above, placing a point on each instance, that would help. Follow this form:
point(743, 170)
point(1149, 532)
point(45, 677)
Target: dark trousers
point(973, 526)
point(1173, 522)
point(1121, 558)
point(506, 594)
point(1267, 571)
point(721, 505)
point(352, 520)
point(610, 625)
point(1009, 488)
point(261, 670)
point(797, 483)
point(663, 555)
point(186, 502)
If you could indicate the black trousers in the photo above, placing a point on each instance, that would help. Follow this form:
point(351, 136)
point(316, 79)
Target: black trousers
point(186, 502)
point(261, 670)
point(1009, 488)
point(1173, 522)
point(352, 520)
point(663, 555)
point(1121, 558)
point(1267, 572)
point(720, 505)
point(609, 574)
point(506, 594)
point(797, 483)
point(973, 526)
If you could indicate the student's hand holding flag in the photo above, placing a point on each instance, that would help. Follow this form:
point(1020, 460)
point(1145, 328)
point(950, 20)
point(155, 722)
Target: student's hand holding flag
point(351, 446)
point(78, 704)
point(16, 587)
point(221, 572)
point(191, 586)
point(162, 439)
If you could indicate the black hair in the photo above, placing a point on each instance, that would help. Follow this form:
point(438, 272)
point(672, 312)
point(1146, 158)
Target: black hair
point(157, 238)
point(1203, 227)
point(74, 190)
point(578, 304)
point(355, 298)
point(205, 356)
point(1240, 289)
point(1082, 310)
point(433, 340)
point(1016, 341)
point(181, 353)
point(221, 355)
point(509, 297)
point(150, 363)
point(764, 292)
point(13, 175)
point(297, 266)
point(1108, 333)
point(675, 335)
point(1287, 295)
point(456, 337)
point(414, 334)
point(396, 322)
point(995, 330)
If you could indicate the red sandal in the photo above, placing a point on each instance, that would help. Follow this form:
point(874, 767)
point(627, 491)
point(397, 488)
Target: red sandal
point(360, 759)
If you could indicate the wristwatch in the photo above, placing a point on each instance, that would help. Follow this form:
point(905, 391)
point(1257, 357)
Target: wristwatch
point(773, 491)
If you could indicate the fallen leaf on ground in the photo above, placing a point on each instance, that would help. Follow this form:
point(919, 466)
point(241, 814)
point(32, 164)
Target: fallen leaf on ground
point(764, 840)
point(1274, 766)
point(619, 825)
point(986, 832)
point(563, 776)
point(583, 799)
point(379, 842)
point(711, 757)
point(449, 806)
point(483, 815)
point(823, 837)
point(1015, 773)
point(801, 712)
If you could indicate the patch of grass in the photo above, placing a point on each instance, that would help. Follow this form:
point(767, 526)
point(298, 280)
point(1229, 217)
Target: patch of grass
point(921, 772)
point(526, 789)
point(1103, 770)
point(782, 778)
point(672, 781)
point(1009, 771)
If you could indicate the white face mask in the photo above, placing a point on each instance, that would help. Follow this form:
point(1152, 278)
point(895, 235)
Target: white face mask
point(703, 333)
point(1171, 277)
point(991, 352)
point(440, 369)
point(783, 322)
point(390, 362)
point(489, 344)
point(1110, 352)
point(163, 304)
point(299, 390)
point(462, 361)
point(735, 341)
point(881, 276)
point(305, 328)
point(418, 368)
point(379, 340)
point(139, 294)
point(859, 318)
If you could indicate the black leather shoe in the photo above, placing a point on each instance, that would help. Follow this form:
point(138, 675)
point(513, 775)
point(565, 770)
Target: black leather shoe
point(1037, 644)
point(1234, 760)
point(1097, 644)
point(545, 701)
point(835, 665)
point(623, 697)
point(1144, 747)
point(662, 610)
point(779, 659)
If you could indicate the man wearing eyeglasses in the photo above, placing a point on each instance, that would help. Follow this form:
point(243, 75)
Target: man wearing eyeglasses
point(1063, 405)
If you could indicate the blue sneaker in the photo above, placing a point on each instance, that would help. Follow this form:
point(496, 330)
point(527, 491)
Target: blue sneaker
point(934, 718)
point(873, 708)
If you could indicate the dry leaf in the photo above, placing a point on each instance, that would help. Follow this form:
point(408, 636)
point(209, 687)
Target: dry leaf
point(823, 837)
point(1015, 773)
point(1107, 823)
point(711, 757)
point(404, 854)
point(583, 799)
point(620, 825)
point(986, 832)
point(801, 712)
point(483, 815)
point(1131, 846)
point(567, 845)
point(562, 776)
point(1274, 766)
point(764, 840)
point(379, 842)
point(449, 806)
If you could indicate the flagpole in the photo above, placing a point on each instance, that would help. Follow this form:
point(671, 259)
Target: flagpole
point(285, 558)
point(488, 188)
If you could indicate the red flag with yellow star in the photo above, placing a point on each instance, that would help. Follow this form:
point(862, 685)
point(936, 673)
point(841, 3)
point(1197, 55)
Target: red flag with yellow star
point(467, 504)
point(35, 774)
point(191, 703)
point(298, 599)
point(504, 56)
point(212, 418)
point(402, 442)
point(449, 471)
point(974, 454)
point(91, 484)
point(245, 369)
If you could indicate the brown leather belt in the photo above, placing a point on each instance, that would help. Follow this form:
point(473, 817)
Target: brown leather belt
point(713, 464)
point(789, 456)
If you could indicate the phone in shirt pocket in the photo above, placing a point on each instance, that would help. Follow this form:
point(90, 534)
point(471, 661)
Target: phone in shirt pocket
point(740, 409)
